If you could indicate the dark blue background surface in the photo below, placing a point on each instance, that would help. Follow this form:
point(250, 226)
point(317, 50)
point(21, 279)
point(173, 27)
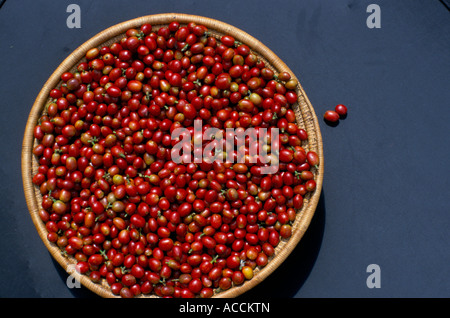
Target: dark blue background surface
point(386, 188)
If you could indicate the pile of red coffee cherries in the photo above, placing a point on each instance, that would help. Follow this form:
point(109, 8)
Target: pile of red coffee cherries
point(115, 200)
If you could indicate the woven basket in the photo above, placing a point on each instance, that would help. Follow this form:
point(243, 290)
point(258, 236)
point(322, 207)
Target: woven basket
point(306, 119)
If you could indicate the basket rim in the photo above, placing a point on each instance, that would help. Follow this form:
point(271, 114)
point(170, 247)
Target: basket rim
point(256, 46)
